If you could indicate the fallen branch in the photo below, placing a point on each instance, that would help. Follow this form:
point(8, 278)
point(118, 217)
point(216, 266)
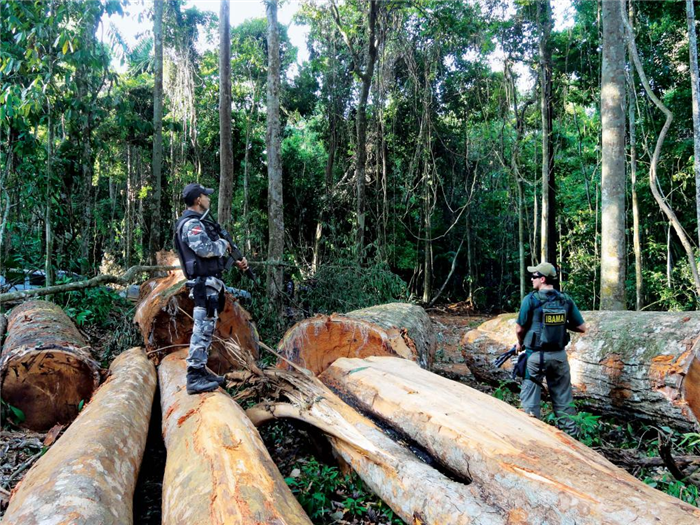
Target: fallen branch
point(126, 278)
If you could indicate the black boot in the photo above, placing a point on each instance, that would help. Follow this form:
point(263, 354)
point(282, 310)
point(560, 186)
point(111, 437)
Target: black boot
point(199, 382)
point(220, 380)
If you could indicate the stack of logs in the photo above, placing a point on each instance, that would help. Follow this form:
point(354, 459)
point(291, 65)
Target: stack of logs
point(436, 451)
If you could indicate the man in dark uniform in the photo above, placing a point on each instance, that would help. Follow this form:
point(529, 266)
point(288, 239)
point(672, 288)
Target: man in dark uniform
point(544, 318)
point(202, 254)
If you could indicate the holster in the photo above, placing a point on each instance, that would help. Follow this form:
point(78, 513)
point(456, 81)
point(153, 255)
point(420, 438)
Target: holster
point(199, 292)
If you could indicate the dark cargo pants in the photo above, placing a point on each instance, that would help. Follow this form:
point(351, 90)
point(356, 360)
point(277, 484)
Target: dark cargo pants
point(556, 370)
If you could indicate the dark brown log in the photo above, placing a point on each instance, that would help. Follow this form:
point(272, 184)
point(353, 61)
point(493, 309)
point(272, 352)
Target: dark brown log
point(531, 471)
point(164, 316)
point(218, 470)
point(88, 476)
point(395, 329)
point(46, 369)
point(632, 364)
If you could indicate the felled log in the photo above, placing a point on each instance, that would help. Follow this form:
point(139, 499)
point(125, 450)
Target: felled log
point(46, 369)
point(88, 476)
point(632, 364)
point(415, 490)
point(164, 315)
point(218, 470)
point(395, 329)
point(532, 471)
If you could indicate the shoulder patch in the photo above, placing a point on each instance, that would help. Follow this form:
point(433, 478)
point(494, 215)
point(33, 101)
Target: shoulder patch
point(197, 229)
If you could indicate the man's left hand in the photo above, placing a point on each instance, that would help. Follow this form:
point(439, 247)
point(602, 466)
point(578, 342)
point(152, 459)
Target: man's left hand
point(242, 264)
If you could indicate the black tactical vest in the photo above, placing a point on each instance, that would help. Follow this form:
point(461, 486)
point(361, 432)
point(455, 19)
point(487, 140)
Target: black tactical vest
point(549, 320)
point(192, 264)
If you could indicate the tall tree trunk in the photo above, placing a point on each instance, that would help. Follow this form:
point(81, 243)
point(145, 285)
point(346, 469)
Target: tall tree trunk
point(548, 236)
point(48, 261)
point(246, 173)
point(129, 205)
point(225, 133)
point(636, 233)
point(695, 86)
point(154, 238)
point(275, 208)
point(612, 101)
point(521, 240)
point(653, 181)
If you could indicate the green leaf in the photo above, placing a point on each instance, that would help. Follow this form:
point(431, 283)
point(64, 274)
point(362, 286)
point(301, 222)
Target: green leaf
point(359, 369)
point(19, 415)
point(81, 405)
point(65, 47)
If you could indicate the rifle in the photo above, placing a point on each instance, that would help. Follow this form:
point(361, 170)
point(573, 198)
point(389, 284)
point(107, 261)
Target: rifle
point(502, 358)
point(235, 254)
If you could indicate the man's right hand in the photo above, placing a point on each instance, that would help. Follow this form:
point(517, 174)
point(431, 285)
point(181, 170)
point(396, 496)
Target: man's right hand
point(518, 347)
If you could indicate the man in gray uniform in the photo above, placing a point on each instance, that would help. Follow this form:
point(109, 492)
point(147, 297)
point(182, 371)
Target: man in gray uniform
point(544, 318)
point(202, 254)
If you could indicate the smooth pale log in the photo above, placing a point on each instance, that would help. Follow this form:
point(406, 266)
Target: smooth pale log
point(164, 315)
point(632, 364)
point(218, 470)
point(88, 476)
point(414, 490)
point(395, 329)
point(46, 368)
point(518, 463)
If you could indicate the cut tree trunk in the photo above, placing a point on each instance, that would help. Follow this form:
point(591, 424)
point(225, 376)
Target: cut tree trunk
point(46, 368)
point(638, 364)
point(88, 476)
point(395, 329)
point(415, 490)
point(164, 316)
point(218, 470)
point(531, 471)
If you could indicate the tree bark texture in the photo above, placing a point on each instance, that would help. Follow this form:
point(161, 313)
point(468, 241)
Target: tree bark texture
point(632, 364)
point(46, 369)
point(218, 470)
point(695, 88)
point(612, 101)
point(88, 476)
point(415, 490)
point(154, 227)
point(549, 229)
point(531, 471)
point(275, 203)
point(395, 329)
point(225, 133)
point(164, 316)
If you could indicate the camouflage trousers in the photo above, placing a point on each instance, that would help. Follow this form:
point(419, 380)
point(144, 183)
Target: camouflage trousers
point(202, 332)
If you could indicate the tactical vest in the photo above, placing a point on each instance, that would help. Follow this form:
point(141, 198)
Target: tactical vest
point(547, 331)
point(192, 264)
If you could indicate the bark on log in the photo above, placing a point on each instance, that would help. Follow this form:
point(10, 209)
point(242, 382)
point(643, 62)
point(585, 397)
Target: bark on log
point(218, 470)
point(632, 364)
point(164, 316)
point(46, 369)
point(416, 491)
point(88, 476)
point(395, 329)
point(529, 469)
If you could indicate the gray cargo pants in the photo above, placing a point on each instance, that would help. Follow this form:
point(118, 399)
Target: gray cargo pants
point(203, 328)
point(556, 371)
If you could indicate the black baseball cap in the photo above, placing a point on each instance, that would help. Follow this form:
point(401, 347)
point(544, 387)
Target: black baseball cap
point(194, 190)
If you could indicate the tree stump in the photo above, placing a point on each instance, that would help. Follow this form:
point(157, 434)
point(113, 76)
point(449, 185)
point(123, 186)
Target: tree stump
point(218, 470)
point(631, 364)
point(46, 368)
point(164, 315)
point(532, 471)
point(395, 329)
point(88, 476)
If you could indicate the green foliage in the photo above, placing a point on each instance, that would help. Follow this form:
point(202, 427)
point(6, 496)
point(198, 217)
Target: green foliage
point(342, 288)
point(328, 496)
point(11, 414)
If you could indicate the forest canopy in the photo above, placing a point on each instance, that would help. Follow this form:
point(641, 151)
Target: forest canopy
point(428, 148)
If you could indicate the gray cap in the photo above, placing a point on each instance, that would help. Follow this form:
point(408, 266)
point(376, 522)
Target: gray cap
point(544, 268)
